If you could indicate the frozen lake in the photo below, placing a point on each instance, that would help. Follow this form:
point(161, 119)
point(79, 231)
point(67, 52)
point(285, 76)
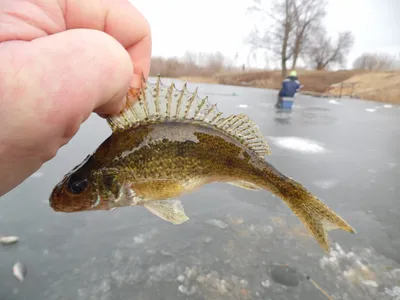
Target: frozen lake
point(347, 152)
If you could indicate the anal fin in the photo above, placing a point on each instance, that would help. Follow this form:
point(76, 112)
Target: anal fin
point(168, 210)
point(245, 185)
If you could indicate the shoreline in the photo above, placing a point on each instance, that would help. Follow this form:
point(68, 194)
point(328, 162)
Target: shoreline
point(383, 87)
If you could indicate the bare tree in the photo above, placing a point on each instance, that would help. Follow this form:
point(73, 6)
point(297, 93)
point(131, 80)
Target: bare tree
point(189, 58)
point(215, 62)
point(307, 17)
point(292, 22)
point(375, 61)
point(323, 51)
point(189, 63)
point(276, 39)
point(166, 67)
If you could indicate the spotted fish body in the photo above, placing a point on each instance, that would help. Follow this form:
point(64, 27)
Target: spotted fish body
point(167, 143)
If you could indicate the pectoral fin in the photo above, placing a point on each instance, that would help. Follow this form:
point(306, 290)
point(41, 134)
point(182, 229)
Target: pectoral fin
point(168, 210)
point(245, 185)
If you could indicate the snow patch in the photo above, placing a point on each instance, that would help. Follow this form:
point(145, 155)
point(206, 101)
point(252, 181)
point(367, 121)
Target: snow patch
point(217, 223)
point(298, 144)
point(334, 102)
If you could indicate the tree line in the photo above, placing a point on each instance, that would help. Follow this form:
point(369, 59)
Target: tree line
point(297, 32)
point(377, 62)
point(210, 64)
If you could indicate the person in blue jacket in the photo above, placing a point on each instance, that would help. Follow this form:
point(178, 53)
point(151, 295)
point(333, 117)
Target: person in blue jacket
point(290, 86)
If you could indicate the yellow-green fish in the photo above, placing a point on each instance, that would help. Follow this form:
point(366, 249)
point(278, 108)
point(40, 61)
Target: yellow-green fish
point(170, 142)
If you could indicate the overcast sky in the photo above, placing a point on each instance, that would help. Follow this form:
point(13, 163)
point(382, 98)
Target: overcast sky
point(222, 25)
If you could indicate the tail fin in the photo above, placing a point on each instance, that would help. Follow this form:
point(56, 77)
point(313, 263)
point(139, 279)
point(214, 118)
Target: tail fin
point(317, 217)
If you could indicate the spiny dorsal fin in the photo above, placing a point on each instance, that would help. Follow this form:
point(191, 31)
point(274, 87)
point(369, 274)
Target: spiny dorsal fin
point(157, 103)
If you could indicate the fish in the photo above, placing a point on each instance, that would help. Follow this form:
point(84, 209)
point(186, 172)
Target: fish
point(168, 142)
point(8, 240)
point(19, 271)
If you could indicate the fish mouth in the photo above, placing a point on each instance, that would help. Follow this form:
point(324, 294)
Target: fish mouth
point(59, 203)
point(55, 197)
point(58, 196)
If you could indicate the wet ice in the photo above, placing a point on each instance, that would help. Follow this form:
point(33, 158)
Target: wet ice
point(298, 144)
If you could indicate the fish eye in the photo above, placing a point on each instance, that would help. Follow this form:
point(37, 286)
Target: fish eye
point(77, 185)
point(78, 181)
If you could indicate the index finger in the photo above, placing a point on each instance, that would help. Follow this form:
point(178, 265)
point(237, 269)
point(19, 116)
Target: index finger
point(118, 18)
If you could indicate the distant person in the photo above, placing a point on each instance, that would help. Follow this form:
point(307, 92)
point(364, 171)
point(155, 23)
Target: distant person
point(290, 86)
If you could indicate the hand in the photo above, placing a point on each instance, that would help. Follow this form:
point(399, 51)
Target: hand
point(61, 60)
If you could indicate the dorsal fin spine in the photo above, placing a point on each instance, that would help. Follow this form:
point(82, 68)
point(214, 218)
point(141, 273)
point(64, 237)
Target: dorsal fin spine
point(225, 121)
point(239, 123)
point(179, 102)
point(144, 105)
point(157, 96)
point(250, 138)
point(199, 107)
point(247, 126)
point(169, 99)
point(236, 121)
point(189, 104)
point(219, 122)
point(216, 118)
point(135, 113)
point(209, 111)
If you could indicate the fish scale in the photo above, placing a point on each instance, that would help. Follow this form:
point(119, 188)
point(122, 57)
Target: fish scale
point(170, 142)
